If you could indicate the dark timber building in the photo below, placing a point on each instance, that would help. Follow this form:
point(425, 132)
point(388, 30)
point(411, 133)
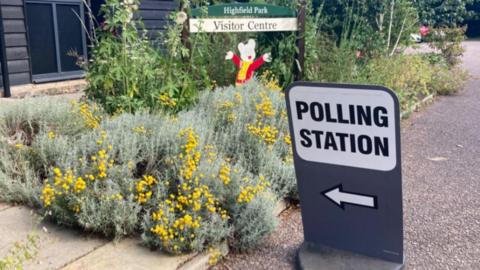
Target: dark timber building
point(39, 35)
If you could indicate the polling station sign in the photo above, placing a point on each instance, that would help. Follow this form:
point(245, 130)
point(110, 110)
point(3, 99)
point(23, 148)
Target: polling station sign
point(344, 127)
point(346, 145)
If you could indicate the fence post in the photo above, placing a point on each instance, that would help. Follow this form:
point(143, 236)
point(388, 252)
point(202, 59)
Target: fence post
point(186, 31)
point(300, 58)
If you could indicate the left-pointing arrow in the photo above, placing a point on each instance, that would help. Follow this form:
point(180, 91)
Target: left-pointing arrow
point(340, 198)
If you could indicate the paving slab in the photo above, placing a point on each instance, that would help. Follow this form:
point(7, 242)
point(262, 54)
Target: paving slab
point(58, 246)
point(4, 206)
point(128, 255)
point(201, 261)
point(52, 88)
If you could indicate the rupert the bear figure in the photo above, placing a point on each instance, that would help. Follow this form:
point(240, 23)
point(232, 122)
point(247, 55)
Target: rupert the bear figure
point(246, 62)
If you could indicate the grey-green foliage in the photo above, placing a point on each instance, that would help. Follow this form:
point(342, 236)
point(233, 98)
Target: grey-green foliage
point(235, 142)
point(21, 120)
point(18, 182)
point(148, 144)
point(253, 222)
point(20, 123)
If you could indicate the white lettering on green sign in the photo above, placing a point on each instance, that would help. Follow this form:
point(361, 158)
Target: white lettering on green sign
point(243, 25)
point(244, 10)
point(235, 11)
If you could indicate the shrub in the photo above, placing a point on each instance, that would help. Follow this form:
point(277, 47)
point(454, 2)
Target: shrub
point(21, 123)
point(127, 73)
point(443, 13)
point(409, 76)
point(251, 128)
point(252, 221)
point(447, 81)
point(123, 65)
point(449, 42)
point(413, 77)
point(193, 181)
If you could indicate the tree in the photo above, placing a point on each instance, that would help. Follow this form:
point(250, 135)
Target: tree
point(371, 26)
point(444, 13)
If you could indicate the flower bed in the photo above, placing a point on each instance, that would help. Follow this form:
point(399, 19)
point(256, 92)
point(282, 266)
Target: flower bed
point(184, 182)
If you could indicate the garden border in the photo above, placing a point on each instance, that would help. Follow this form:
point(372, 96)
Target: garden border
point(200, 261)
point(416, 106)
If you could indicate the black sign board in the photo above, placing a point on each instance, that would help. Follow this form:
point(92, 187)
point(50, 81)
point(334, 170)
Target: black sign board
point(346, 145)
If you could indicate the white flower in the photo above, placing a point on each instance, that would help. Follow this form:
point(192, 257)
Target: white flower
point(129, 18)
point(181, 17)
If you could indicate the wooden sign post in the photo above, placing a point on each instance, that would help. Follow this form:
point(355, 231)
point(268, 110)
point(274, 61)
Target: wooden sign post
point(301, 42)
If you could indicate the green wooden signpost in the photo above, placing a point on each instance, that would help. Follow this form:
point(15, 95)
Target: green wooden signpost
point(246, 17)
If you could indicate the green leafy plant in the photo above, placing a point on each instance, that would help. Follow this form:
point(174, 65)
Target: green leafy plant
point(449, 42)
point(128, 73)
point(21, 253)
point(444, 13)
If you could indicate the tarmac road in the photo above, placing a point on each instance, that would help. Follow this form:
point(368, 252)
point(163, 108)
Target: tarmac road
point(441, 187)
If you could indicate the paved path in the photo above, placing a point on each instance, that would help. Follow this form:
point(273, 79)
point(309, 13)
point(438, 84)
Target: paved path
point(441, 175)
point(69, 249)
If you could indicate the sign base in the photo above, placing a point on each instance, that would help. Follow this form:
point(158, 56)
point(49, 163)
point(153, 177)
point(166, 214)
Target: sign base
point(310, 257)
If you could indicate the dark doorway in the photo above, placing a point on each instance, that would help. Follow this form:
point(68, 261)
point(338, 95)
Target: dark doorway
point(473, 23)
point(56, 34)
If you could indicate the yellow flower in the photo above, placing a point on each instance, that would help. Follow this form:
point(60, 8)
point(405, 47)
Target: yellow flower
point(224, 174)
point(144, 188)
point(265, 108)
point(227, 105)
point(131, 164)
point(87, 113)
point(248, 193)
point(287, 139)
point(51, 135)
point(57, 172)
point(167, 101)
point(80, 185)
point(76, 208)
point(231, 117)
point(269, 80)
point(215, 256)
point(140, 130)
point(191, 157)
point(238, 97)
point(48, 195)
point(266, 133)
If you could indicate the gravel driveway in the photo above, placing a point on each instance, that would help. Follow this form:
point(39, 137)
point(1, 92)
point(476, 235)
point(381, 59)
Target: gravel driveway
point(441, 175)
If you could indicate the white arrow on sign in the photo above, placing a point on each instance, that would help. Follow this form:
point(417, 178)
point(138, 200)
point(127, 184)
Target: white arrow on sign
point(340, 198)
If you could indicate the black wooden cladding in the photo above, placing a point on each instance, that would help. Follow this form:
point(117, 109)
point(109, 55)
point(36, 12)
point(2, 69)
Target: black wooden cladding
point(14, 26)
point(16, 41)
point(11, 2)
point(154, 15)
point(12, 12)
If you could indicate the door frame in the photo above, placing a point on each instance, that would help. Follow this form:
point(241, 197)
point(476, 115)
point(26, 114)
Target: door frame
point(60, 75)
